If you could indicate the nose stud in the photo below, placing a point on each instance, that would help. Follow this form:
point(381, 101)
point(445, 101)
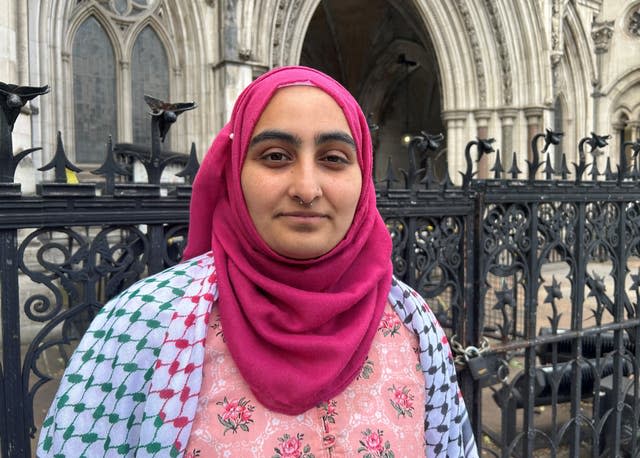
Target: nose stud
point(306, 204)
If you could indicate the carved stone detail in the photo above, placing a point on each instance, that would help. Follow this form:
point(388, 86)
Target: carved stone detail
point(287, 12)
point(557, 33)
point(279, 30)
point(475, 49)
point(601, 33)
point(633, 23)
point(294, 13)
point(503, 51)
point(244, 54)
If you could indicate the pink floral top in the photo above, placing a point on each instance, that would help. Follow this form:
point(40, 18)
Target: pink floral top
point(379, 415)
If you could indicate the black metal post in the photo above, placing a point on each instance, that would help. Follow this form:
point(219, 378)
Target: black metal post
point(14, 428)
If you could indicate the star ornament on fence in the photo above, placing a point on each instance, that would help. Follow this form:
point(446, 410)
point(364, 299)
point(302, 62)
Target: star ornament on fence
point(596, 285)
point(505, 297)
point(553, 291)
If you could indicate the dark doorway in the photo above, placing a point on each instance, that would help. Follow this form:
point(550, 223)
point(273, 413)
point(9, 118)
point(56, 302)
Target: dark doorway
point(360, 44)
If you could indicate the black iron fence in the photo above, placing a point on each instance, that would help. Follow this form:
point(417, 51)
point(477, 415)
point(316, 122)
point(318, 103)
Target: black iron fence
point(535, 275)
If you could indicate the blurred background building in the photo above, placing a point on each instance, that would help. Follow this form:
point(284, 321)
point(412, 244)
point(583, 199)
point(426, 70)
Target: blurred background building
point(464, 68)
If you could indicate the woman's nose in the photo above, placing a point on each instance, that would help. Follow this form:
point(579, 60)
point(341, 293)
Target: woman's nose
point(305, 186)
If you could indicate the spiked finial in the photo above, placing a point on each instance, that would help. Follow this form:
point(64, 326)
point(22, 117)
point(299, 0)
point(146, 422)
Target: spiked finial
point(110, 168)
point(190, 170)
point(60, 163)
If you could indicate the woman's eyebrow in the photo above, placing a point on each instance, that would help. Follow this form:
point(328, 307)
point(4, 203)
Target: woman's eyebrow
point(274, 134)
point(335, 136)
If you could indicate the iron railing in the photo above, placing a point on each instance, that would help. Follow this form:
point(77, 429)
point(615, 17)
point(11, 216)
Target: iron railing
point(538, 271)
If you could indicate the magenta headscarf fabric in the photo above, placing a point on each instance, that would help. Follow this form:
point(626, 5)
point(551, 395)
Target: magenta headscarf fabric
point(298, 330)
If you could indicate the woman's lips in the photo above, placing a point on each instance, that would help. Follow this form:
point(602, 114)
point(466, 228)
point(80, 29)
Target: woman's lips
point(303, 216)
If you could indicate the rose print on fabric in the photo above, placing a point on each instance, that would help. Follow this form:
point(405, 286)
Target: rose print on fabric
point(402, 401)
point(372, 445)
point(291, 447)
point(216, 326)
point(236, 414)
point(329, 412)
point(367, 369)
point(390, 324)
point(195, 453)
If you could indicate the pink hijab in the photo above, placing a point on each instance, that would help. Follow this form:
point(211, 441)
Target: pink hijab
point(298, 330)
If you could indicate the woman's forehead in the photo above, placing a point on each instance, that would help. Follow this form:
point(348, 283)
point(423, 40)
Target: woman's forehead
point(293, 103)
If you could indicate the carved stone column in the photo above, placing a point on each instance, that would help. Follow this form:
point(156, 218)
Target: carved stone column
point(455, 123)
point(234, 71)
point(125, 116)
point(482, 131)
point(507, 119)
point(601, 33)
point(534, 116)
point(635, 128)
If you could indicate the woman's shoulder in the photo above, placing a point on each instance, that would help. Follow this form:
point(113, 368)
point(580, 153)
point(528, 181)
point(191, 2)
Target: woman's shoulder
point(404, 296)
point(151, 302)
point(413, 310)
point(160, 291)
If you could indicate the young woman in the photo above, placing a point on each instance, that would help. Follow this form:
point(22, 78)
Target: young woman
point(285, 333)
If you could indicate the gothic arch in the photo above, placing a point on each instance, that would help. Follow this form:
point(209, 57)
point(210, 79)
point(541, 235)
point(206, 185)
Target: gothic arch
point(184, 47)
point(168, 45)
point(624, 96)
point(578, 72)
point(77, 19)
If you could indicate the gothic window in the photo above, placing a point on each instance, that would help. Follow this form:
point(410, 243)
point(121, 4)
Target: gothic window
point(115, 62)
point(149, 75)
point(94, 84)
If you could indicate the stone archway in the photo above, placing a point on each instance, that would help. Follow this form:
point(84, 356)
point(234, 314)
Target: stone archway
point(361, 47)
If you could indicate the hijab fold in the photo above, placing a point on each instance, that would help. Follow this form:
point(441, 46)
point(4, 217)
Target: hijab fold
point(298, 330)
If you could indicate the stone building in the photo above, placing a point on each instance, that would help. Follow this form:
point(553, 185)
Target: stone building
point(464, 68)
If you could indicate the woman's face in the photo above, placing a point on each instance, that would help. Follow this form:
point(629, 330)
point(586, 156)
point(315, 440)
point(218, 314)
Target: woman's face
point(301, 179)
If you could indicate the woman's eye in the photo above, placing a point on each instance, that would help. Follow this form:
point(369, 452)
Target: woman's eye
point(336, 159)
point(274, 156)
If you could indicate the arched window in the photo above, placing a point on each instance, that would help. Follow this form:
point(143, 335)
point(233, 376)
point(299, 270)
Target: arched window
point(115, 61)
point(94, 86)
point(149, 75)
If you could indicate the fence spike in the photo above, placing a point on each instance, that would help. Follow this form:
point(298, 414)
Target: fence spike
point(497, 168)
point(548, 169)
point(608, 172)
point(514, 170)
point(446, 182)
point(60, 163)
point(110, 168)
point(429, 179)
point(390, 177)
point(564, 168)
point(190, 170)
